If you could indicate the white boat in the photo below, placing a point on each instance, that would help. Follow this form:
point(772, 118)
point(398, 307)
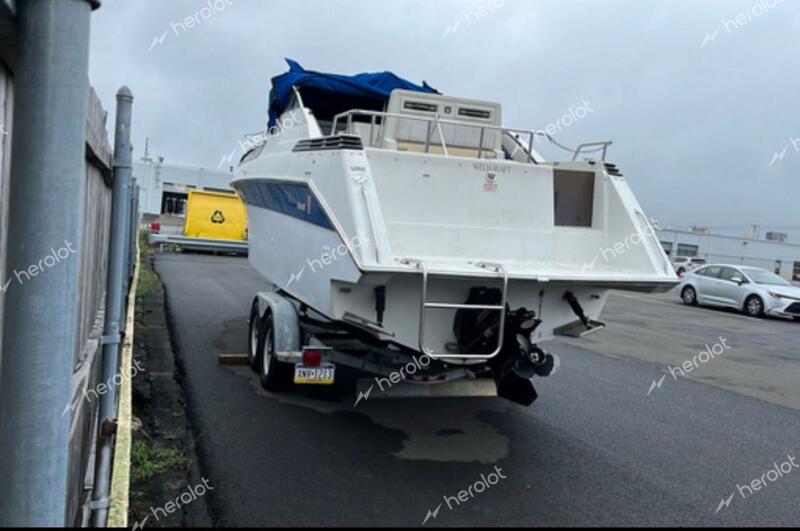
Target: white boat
point(421, 223)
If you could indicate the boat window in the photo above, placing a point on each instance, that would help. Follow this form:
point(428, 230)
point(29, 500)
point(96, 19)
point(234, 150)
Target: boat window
point(290, 199)
point(419, 106)
point(574, 198)
point(475, 113)
point(326, 105)
point(253, 153)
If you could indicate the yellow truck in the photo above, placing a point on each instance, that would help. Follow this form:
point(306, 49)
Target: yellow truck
point(215, 216)
point(215, 222)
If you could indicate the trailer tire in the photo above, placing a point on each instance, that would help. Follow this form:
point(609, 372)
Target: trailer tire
point(274, 375)
point(253, 332)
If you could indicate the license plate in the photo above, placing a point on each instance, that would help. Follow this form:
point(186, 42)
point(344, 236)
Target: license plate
point(324, 375)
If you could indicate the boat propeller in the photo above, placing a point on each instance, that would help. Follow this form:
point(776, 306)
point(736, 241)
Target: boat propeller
point(515, 378)
point(534, 361)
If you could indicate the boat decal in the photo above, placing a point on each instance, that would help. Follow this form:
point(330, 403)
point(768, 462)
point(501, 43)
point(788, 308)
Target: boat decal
point(492, 167)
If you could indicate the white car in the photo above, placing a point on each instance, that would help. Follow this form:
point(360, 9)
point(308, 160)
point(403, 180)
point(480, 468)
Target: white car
point(756, 292)
point(683, 264)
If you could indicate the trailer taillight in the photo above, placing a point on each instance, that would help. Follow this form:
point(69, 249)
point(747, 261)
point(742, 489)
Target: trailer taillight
point(312, 358)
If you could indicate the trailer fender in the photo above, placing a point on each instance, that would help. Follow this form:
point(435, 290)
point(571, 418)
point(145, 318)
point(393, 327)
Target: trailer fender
point(288, 343)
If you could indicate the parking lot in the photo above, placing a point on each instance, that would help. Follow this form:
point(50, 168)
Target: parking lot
point(614, 439)
point(761, 359)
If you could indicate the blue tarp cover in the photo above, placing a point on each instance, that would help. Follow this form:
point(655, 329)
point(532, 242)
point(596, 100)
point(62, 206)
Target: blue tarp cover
point(328, 94)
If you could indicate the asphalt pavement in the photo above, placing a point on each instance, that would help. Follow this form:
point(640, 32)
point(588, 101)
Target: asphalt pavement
point(606, 443)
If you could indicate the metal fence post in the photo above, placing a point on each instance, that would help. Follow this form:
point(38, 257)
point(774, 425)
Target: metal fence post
point(138, 223)
point(134, 228)
point(124, 231)
point(115, 298)
point(46, 213)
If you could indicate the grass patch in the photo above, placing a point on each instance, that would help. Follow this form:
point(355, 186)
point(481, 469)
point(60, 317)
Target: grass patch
point(144, 246)
point(148, 461)
point(148, 281)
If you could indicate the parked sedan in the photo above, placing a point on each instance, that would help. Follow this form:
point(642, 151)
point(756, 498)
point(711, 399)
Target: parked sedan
point(754, 291)
point(683, 264)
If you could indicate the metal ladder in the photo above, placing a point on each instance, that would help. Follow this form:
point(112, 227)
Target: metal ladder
point(426, 305)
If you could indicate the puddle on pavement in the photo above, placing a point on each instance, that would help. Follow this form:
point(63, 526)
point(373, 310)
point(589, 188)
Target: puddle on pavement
point(445, 430)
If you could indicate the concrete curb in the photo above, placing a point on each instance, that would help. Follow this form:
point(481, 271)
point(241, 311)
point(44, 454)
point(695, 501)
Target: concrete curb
point(121, 474)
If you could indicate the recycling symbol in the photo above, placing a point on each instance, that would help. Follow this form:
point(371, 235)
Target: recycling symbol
point(218, 218)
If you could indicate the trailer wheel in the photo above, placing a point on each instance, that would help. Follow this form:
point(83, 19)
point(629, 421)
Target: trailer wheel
point(253, 331)
point(275, 376)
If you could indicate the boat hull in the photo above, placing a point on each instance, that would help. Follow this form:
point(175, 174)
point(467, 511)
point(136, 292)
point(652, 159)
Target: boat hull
point(314, 265)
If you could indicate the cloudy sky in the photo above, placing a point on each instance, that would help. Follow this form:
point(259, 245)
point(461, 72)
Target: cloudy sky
point(700, 96)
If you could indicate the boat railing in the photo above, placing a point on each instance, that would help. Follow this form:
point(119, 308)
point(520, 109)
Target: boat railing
point(523, 138)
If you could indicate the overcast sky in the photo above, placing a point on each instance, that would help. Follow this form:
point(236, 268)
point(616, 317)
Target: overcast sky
point(700, 96)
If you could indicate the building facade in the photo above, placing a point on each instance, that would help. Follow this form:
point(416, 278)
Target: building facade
point(165, 187)
point(782, 258)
